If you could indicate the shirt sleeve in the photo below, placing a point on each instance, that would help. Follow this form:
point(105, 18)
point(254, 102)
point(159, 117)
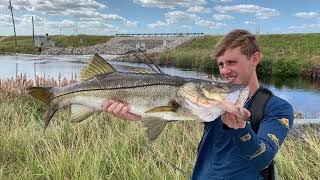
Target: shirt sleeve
point(260, 149)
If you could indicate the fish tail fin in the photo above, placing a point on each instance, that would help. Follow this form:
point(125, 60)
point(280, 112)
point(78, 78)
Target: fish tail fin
point(44, 94)
point(41, 93)
point(51, 111)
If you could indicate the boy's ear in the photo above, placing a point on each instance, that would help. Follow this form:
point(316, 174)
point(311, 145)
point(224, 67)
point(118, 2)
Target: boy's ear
point(255, 58)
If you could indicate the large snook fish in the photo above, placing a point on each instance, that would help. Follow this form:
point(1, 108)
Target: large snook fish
point(156, 97)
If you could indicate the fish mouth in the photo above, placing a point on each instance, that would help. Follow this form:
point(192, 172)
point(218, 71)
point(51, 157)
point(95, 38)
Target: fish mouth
point(196, 99)
point(237, 97)
point(243, 96)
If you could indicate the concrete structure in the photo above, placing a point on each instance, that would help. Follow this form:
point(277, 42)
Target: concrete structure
point(43, 41)
point(161, 34)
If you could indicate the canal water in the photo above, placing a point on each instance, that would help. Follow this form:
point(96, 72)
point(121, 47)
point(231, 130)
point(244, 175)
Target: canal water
point(304, 95)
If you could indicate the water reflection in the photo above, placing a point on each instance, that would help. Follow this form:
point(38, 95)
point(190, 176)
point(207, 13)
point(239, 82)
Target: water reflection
point(293, 83)
point(303, 94)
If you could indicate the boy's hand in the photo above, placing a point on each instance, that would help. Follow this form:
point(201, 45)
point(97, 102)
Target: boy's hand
point(236, 117)
point(120, 110)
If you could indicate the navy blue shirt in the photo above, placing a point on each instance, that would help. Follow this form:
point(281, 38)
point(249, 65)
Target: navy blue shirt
point(241, 153)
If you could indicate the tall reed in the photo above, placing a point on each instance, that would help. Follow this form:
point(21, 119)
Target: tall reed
point(19, 84)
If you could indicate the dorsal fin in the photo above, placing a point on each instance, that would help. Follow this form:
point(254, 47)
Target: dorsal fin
point(96, 66)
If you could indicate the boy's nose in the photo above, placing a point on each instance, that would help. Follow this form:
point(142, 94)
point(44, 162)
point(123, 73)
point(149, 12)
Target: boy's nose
point(224, 70)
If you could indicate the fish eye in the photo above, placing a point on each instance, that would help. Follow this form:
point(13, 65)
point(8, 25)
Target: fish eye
point(202, 86)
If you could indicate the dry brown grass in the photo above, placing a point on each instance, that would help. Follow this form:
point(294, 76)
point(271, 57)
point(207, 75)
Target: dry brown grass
point(315, 61)
point(18, 85)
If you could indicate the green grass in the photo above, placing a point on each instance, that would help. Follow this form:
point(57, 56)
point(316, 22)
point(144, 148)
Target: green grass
point(108, 148)
point(290, 46)
point(299, 158)
point(103, 149)
point(25, 42)
point(301, 50)
point(79, 41)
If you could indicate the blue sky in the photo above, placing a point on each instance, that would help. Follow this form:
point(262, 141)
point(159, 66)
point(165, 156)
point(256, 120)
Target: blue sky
point(106, 17)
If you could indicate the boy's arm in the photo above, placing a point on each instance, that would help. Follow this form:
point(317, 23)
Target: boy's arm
point(262, 147)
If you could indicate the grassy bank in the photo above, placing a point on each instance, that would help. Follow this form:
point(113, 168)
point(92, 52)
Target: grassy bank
point(108, 148)
point(284, 56)
point(25, 42)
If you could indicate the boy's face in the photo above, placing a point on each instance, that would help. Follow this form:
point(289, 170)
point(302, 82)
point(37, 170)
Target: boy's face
point(237, 68)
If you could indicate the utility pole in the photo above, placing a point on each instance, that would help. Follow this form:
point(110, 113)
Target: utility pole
point(32, 32)
point(14, 26)
point(258, 29)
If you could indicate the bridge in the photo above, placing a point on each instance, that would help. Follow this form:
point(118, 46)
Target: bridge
point(162, 34)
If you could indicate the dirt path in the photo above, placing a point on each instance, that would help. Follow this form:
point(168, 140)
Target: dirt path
point(3, 38)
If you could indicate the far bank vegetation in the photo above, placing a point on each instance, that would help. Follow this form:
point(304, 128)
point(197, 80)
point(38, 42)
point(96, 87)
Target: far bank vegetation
point(284, 55)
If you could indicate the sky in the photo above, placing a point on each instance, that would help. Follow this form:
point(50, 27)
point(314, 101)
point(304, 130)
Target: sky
point(109, 17)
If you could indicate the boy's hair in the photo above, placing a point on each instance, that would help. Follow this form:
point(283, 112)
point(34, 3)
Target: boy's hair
point(237, 38)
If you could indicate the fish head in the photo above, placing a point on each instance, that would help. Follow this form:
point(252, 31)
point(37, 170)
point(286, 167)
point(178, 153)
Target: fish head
point(208, 92)
point(208, 100)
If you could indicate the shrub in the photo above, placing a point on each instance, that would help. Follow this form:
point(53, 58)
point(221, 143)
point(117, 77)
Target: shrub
point(284, 68)
point(264, 68)
point(184, 59)
point(209, 65)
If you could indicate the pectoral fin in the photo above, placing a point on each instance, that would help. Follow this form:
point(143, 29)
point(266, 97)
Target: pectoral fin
point(80, 113)
point(154, 127)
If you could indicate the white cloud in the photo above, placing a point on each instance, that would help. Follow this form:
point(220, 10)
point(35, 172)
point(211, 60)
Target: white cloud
point(222, 17)
point(81, 27)
point(209, 24)
point(54, 7)
point(175, 17)
point(131, 23)
point(260, 12)
point(249, 22)
point(221, 1)
point(92, 15)
point(63, 24)
point(5, 20)
point(306, 26)
point(95, 24)
point(83, 10)
point(99, 17)
point(308, 15)
point(180, 16)
point(186, 27)
point(26, 20)
point(198, 9)
point(98, 27)
point(88, 17)
point(82, 14)
point(113, 17)
point(169, 3)
point(158, 24)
